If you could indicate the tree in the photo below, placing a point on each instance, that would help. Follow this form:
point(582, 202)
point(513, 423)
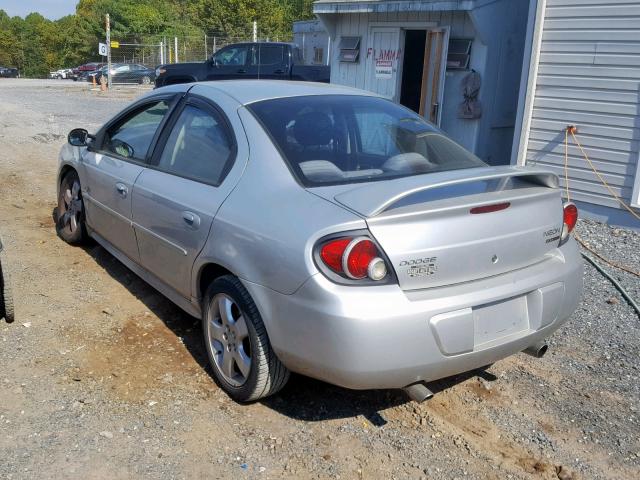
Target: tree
point(37, 45)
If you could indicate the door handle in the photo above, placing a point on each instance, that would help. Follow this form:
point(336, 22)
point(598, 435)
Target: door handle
point(191, 219)
point(242, 70)
point(121, 188)
point(279, 71)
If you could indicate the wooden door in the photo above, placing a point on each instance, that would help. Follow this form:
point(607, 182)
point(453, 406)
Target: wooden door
point(382, 61)
point(432, 90)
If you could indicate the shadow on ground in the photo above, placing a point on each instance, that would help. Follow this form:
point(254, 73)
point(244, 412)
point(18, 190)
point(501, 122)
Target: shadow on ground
point(303, 398)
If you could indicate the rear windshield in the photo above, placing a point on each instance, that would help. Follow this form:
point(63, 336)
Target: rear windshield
point(335, 139)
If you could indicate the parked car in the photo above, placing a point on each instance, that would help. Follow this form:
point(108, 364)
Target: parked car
point(81, 72)
point(6, 297)
point(323, 230)
point(61, 74)
point(125, 73)
point(7, 72)
point(275, 61)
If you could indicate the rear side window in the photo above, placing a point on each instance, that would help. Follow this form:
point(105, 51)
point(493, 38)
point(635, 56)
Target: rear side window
point(132, 136)
point(199, 146)
point(270, 54)
point(334, 139)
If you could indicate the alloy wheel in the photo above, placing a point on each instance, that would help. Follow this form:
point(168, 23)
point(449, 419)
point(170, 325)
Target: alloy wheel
point(71, 207)
point(228, 339)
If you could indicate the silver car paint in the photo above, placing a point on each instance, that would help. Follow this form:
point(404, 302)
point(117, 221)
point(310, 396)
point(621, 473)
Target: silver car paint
point(173, 215)
point(384, 337)
point(107, 187)
point(264, 228)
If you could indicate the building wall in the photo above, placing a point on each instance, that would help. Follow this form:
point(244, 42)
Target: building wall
point(310, 36)
point(498, 30)
point(589, 76)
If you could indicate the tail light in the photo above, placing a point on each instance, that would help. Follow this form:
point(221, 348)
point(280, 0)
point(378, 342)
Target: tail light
point(570, 218)
point(353, 258)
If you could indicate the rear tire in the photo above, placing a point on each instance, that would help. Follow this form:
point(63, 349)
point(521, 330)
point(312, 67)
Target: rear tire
point(6, 296)
point(70, 224)
point(243, 362)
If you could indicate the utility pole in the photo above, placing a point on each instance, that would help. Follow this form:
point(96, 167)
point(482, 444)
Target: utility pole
point(108, 27)
point(175, 43)
point(206, 55)
point(255, 31)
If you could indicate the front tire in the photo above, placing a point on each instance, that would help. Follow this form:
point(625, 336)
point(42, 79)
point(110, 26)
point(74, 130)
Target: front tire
point(145, 80)
point(243, 362)
point(70, 224)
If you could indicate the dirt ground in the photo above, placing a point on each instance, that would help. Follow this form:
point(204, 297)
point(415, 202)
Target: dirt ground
point(102, 377)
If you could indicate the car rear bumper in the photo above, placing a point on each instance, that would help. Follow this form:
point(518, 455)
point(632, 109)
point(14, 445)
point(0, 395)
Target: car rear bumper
point(383, 337)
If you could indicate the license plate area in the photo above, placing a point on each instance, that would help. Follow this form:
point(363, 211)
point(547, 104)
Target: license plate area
point(501, 319)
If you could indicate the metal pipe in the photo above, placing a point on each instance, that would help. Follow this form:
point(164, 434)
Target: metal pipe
point(537, 350)
point(418, 392)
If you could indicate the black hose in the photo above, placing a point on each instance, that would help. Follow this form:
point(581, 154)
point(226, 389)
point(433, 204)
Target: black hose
point(615, 283)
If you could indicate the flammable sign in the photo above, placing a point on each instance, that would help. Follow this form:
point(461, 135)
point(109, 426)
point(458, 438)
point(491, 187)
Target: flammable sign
point(384, 69)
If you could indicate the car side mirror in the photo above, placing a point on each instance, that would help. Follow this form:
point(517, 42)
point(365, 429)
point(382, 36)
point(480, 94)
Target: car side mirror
point(78, 137)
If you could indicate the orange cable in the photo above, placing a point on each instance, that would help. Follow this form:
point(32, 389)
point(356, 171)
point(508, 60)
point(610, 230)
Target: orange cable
point(604, 182)
point(566, 177)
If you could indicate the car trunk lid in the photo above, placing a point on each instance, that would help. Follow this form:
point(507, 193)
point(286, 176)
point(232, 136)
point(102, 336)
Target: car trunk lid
point(443, 229)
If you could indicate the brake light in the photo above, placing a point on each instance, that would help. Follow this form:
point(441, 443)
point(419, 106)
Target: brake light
point(570, 218)
point(490, 208)
point(356, 258)
point(331, 253)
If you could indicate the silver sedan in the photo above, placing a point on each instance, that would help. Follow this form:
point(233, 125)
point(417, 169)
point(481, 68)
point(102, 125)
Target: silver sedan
point(323, 230)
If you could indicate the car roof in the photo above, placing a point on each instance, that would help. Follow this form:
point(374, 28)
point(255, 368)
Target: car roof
point(246, 92)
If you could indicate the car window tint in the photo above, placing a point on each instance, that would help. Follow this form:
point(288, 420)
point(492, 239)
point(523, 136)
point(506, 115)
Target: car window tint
point(270, 54)
point(198, 147)
point(333, 139)
point(232, 56)
point(132, 137)
point(375, 137)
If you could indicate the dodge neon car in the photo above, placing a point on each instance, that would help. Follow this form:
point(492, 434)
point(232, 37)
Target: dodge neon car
point(323, 230)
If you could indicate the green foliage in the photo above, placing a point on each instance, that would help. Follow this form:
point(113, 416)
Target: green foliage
point(37, 45)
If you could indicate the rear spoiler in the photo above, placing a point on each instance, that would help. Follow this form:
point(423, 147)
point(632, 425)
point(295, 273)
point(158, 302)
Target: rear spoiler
point(374, 198)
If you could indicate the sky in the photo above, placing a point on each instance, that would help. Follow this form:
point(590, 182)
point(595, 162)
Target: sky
point(52, 9)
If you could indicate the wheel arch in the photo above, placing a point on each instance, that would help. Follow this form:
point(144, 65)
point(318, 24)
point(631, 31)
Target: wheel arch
point(63, 172)
point(207, 274)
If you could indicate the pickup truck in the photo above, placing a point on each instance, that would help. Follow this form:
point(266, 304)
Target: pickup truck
point(264, 60)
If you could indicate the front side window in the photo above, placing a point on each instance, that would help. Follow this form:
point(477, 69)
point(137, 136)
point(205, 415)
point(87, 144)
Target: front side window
point(333, 139)
point(231, 56)
point(199, 147)
point(132, 137)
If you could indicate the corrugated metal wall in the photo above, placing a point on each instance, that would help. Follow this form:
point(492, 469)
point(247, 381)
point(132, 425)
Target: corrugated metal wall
point(589, 76)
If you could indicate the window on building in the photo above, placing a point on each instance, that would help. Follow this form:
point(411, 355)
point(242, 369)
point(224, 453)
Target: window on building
point(459, 54)
point(350, 49)
point(318, 55)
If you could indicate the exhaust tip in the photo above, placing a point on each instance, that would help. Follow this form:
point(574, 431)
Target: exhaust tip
point(537, 350)
point(418, 392)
